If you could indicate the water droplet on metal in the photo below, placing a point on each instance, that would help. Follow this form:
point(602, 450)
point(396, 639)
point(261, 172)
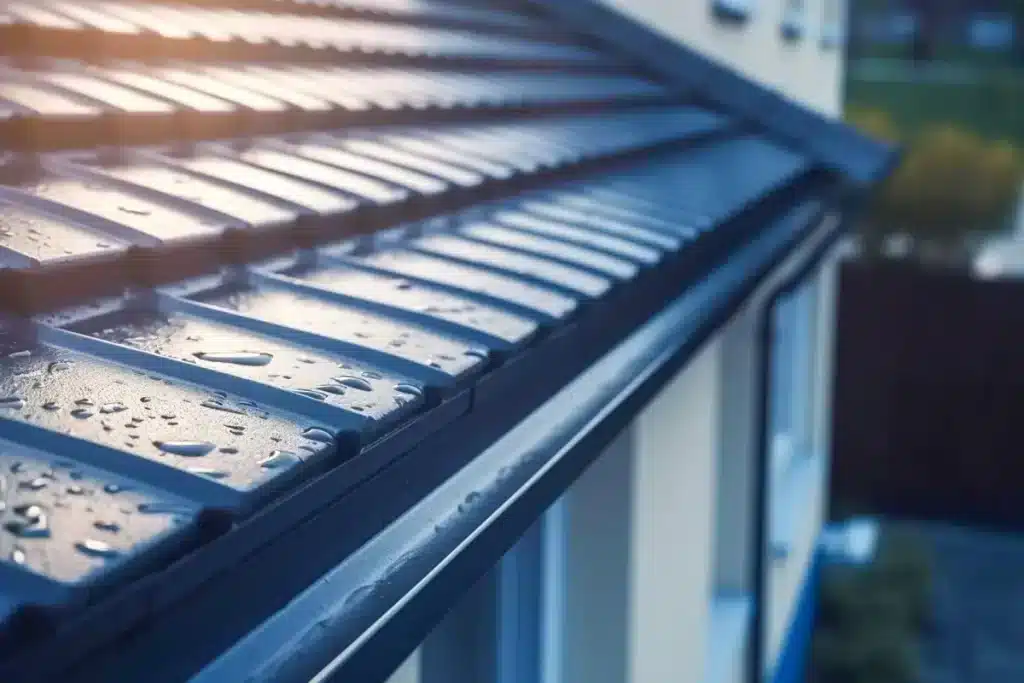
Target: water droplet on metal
point(313, 394)
point(354, 383)
point(370, 374)
point(30, 521)
point(190, 449)
point(230, 450)
point(51, 406)
point(476, 353)
point(107, 525)
point(95, 548)
point(57, 366)
point(33, 484)
point(82, 413)
point(135, 211)
point(250, 358)
point(20, 354)
point(331, 389)
point(208, 472)
point(409, 390)
point(18, 556)
point(216, 404)
point(113, 488)
point(76, 490)
point(317, 434)
point(280, 460)
point(109, 408)
point(11, 403)
point(84, 402)
point(161, 508)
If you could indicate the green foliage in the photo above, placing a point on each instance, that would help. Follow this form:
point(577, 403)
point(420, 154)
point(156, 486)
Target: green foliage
point(951, 184)
point(869, 617)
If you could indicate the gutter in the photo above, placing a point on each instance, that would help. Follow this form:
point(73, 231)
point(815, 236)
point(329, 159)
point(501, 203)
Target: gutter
point(362, 618)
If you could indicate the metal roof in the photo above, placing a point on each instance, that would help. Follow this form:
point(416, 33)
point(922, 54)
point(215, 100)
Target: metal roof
point(257, 253)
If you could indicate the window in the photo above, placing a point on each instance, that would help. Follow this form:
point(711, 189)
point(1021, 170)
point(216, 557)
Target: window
point(793, 20)
point(792, 404)
point(833, 18)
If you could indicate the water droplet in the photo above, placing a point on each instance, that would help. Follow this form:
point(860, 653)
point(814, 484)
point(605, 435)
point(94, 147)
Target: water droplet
point(33, 484)
point(409, 390)
point(84, 402)
point(107, 525)
point(317, 434)
point(313, 394)
point(208, 472)
point(109, 408)
point(107, 427)
point(113, 488)
point(190, 449)
point(95, 548)
point(280, 460)
point(403, 284)
point(370, 374)
point(161, 508)
point(216, 404)
point(354, 383)
point(30, 522)
point(82, 413)
point(57, 366)
point(51, 406)
point(76, 490)
point(12, 403)
point(476, 353)
point(20, 354)
point(360, 593)
point(331, 389)
point(307, 361)
point(251, 358)
point(145, 399)
point(18, 556)
point(230, 450)
point(135, 211)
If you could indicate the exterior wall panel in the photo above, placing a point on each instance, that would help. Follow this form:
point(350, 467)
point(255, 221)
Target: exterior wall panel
point(755, 48)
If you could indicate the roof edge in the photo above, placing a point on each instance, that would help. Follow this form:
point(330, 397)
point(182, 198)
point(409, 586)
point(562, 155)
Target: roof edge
point(861, 159)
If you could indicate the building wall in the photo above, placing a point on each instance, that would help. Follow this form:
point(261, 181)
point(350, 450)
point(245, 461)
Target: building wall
point(803, 70)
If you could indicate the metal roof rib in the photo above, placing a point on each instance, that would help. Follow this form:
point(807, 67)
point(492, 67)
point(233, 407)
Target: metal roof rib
point(280, 271)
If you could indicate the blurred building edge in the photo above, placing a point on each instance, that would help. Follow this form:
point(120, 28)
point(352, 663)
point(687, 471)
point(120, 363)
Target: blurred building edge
point(645, 558)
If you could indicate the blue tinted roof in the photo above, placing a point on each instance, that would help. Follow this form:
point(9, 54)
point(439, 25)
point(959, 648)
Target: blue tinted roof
point(251, 258)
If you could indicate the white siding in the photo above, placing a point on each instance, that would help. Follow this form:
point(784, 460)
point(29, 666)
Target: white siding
point(409, 671)
point(674, 482)
point(802, 69)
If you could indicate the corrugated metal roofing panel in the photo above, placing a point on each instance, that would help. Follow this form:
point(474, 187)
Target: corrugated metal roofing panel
point(253, 255)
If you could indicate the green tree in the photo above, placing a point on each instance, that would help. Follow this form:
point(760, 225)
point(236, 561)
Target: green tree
point(952, 183)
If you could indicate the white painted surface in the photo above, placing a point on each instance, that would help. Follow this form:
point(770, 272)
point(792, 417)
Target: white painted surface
point(675, 452)
point(596, 524)
point(801, 70)
point(737, 456)
point(409, 671)
point(728, 628)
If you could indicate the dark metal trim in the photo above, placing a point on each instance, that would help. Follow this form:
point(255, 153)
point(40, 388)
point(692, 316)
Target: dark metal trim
point(835, 145)
point(482, 509)
point(762, 481)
